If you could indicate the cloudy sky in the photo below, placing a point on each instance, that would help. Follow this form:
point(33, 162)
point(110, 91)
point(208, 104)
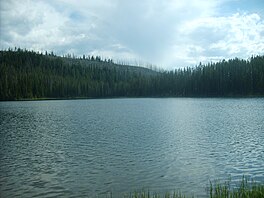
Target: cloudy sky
point(168, 33)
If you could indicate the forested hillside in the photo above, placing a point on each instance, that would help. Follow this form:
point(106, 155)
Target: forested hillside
point(27, 75)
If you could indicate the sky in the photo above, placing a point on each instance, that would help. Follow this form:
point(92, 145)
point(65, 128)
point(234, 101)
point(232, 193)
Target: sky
point(169, 33)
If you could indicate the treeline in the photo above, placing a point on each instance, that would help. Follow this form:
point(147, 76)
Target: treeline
point(234, 77)
point(27, 74)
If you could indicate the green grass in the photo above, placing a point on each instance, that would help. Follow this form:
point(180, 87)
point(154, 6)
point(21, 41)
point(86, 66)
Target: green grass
point(148, 194)
point(244, 189)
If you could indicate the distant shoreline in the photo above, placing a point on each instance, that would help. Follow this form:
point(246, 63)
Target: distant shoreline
point(136, 97)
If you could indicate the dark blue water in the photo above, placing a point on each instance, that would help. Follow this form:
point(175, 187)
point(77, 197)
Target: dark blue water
point(80, 148)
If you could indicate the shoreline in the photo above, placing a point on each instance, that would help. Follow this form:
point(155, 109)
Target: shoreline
point(135, 97)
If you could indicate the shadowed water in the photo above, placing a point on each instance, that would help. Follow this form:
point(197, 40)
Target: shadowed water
point(78, 148)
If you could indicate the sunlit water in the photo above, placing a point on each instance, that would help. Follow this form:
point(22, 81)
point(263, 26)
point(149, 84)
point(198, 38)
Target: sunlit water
point(79, 148)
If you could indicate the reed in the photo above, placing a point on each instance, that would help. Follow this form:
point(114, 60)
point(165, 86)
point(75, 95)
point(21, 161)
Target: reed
point(246, 188)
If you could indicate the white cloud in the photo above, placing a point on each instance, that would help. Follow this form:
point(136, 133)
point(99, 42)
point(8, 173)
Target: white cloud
point(28, 26)
point(167, 33)
point(214, 38)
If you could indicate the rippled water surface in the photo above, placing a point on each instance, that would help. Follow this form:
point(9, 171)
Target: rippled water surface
point(92, 147)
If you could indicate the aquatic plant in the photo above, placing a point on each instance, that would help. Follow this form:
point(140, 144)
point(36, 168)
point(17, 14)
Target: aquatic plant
point(246, 188)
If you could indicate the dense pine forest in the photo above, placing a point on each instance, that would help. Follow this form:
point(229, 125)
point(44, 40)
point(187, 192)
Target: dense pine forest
point(29, 75)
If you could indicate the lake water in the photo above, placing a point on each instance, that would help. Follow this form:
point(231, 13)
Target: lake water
point(80, 148)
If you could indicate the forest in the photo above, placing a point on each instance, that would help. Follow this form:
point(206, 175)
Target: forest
point(27, 74)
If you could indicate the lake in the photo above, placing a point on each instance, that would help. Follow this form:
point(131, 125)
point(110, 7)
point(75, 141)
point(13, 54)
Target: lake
point(77, 148)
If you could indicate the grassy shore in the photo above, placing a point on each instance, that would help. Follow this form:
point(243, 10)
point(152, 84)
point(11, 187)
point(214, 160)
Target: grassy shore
point(244, 189)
